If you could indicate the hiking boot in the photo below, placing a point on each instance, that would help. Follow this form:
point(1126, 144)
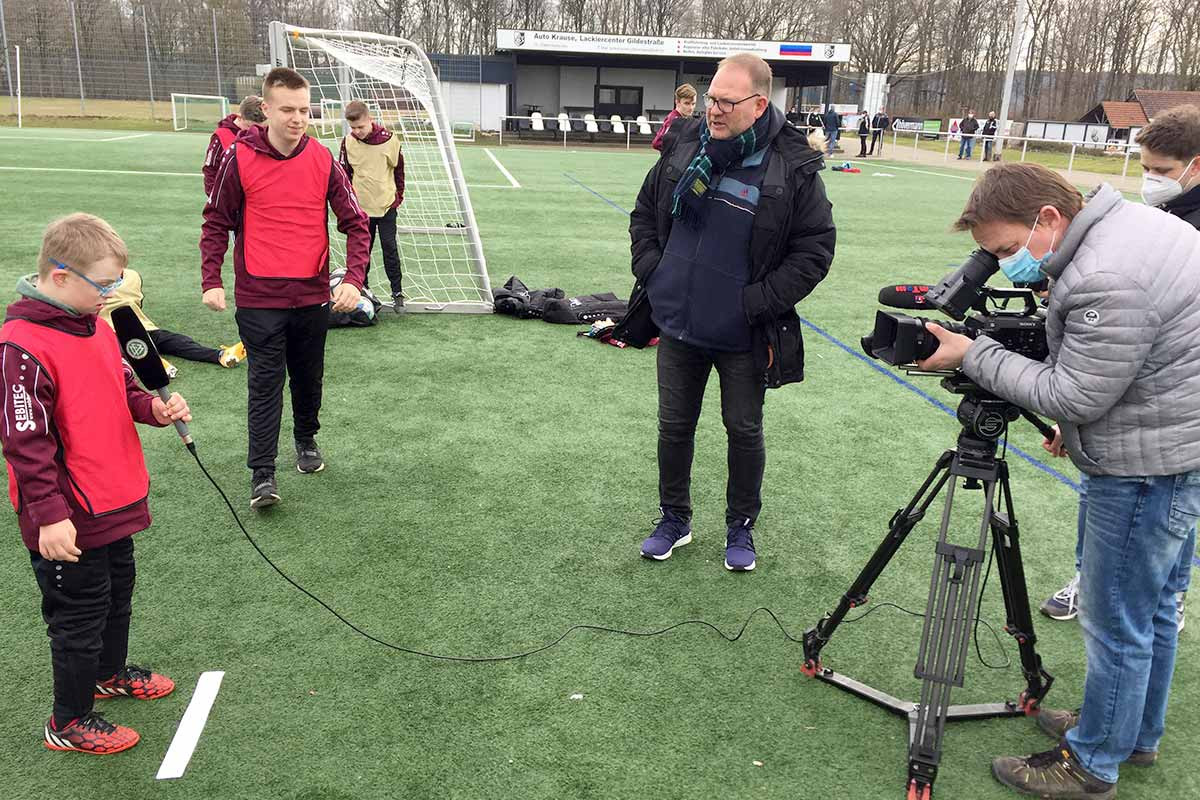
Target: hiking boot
point(1054, 774)
point(398, 303)
point(136, 682)
point(92, 734)
point(263, 491)
point(232, 355)
point(308, 456)
point(670, 531)
point(739, 547)
point(1057, 722)
point(1064, 604)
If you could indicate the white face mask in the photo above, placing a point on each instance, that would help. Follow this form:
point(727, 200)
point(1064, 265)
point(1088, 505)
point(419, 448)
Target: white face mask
point(1159, 189)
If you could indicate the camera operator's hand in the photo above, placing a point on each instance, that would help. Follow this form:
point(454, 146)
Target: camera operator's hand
point(952, 348)
point(1055, 448)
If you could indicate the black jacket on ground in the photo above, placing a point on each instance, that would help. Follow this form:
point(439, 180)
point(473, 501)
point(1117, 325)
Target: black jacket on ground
point(1186, 207)
point(791, 247)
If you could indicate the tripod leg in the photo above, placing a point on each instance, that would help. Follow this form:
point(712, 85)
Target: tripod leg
point(1006, 542)
point(902, 523)
point(953, 595)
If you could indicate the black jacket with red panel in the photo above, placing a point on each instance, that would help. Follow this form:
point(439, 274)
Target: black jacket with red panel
point(69, 443)
point(277, 206)
point(227, 130)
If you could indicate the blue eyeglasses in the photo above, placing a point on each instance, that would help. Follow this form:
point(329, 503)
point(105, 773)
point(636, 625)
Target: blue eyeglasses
point(104, 289)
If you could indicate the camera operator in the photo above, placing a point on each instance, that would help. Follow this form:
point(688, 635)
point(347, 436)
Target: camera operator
point(1123, 380)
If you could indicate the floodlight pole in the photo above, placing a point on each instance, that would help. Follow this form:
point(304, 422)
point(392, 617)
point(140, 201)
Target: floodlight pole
point(78, 65)
point(7, 64)
point(1014, 52)
point(18, 47)
point(149, 72)
point(217, 53)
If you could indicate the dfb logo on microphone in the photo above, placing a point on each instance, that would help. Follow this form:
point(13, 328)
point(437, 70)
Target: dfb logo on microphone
point(23, 409)
point(137, 349)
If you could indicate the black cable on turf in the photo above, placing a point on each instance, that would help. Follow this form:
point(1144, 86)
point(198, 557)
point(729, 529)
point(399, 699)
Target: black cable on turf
point(491, 659)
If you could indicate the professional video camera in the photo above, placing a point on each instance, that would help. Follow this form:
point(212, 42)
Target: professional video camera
point(900, 339)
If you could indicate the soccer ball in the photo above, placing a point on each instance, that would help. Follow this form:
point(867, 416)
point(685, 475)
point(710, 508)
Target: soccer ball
point(365, 306)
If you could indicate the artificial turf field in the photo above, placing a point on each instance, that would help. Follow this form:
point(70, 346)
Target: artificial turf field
point(489, 482)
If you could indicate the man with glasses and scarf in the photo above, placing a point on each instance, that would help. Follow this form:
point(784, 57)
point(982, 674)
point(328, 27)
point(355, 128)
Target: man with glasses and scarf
point(731, 229)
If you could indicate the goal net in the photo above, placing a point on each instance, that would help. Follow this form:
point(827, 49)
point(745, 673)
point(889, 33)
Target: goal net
point(441, 254)
point(197, 112)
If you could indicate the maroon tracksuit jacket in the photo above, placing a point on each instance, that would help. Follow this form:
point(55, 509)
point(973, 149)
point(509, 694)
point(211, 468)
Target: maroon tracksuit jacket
point(276, 205)
point(227, 130)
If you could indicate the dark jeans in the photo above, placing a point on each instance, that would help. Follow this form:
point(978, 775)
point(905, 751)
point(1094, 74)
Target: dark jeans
point(282, 342)
point(86, 605)
point(876, 139)
point(169, 343)
point(386, 226)
point(683, 372)
point(862, 144)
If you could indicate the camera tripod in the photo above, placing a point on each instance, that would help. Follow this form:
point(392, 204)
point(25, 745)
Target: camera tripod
point(954, 589)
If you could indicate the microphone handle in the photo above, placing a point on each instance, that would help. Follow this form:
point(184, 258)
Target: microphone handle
point(180, 425)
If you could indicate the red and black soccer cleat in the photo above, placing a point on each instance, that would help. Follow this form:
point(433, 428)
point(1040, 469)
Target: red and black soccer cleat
point(136, 682)
point(91, 734)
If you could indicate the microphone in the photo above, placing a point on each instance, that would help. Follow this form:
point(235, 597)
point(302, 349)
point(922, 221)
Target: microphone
point(910, 296)
point(139, 350)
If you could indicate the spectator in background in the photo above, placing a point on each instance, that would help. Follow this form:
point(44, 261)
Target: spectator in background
point(989, 136)
point(966, 130)
point(864, 131)
point(685, 107)
point(249, 113)
point(832, 122)
point(879, 124)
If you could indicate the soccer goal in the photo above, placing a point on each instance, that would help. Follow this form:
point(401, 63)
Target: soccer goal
point(197, 112)
point(442, 256)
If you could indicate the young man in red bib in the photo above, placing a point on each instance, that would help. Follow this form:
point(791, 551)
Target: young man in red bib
point(249, 113)
point(273, 190)
point(76, 475)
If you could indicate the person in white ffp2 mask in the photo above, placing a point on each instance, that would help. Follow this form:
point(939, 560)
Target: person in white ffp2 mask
point(1171, 162)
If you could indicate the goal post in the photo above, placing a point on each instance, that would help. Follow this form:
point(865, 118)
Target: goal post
point(197, 112)
point(441, 252)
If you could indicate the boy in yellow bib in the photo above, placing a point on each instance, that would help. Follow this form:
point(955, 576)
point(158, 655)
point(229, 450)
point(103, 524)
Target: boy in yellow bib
point(371, 156)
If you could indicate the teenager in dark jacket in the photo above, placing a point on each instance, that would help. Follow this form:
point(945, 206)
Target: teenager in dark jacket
point(879, 124)
point(989, 136)
point(685, 108)
point(731, 229)
point(274, 190)
point(864, 131)
point(832, 122)
point(249, 113)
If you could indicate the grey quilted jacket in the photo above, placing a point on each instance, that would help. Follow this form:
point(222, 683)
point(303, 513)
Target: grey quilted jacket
point(1123, 325)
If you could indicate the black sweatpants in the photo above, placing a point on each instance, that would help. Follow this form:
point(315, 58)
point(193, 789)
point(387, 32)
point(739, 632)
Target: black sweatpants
point(86, 605)
point(683, 372)
point(876, 138)
point(386, 227)
point(169, 343)
point(282, 342)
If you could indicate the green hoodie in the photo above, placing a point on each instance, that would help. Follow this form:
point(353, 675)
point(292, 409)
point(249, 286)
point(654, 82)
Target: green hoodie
point(27, 287)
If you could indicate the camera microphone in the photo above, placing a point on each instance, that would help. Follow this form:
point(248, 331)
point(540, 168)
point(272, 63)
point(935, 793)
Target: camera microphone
point(910, 296)
point(138, 349)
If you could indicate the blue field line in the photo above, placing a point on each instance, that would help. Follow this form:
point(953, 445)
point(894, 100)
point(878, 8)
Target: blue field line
point(587, 188)
point(889, 373)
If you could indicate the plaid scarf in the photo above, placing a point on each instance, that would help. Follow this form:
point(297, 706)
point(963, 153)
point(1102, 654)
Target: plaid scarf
point(714, 157)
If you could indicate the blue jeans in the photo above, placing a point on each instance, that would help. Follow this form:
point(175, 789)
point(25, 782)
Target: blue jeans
point(1137, 555)
point(968, 141)
point(832, 136)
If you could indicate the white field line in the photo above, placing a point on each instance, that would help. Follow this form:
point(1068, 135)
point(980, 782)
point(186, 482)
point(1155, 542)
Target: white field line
point(919, 171)
point(190, 727)
point(34, 138)
point(502, 169)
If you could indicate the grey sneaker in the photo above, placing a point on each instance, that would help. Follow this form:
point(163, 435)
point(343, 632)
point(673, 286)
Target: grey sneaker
point(308, 456)
point(1064, 604)
point(398, 303)
point(1054, 774)
point(263, 491)
point(1056, 723)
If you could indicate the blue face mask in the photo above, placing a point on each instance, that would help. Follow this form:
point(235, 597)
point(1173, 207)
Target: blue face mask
point(1021, 266)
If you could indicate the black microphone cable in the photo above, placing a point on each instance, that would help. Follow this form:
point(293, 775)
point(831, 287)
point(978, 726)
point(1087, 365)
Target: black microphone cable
point(551, 644)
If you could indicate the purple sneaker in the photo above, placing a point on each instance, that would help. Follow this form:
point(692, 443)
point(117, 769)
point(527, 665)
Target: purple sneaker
point(670, 531)
point(739, 547)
